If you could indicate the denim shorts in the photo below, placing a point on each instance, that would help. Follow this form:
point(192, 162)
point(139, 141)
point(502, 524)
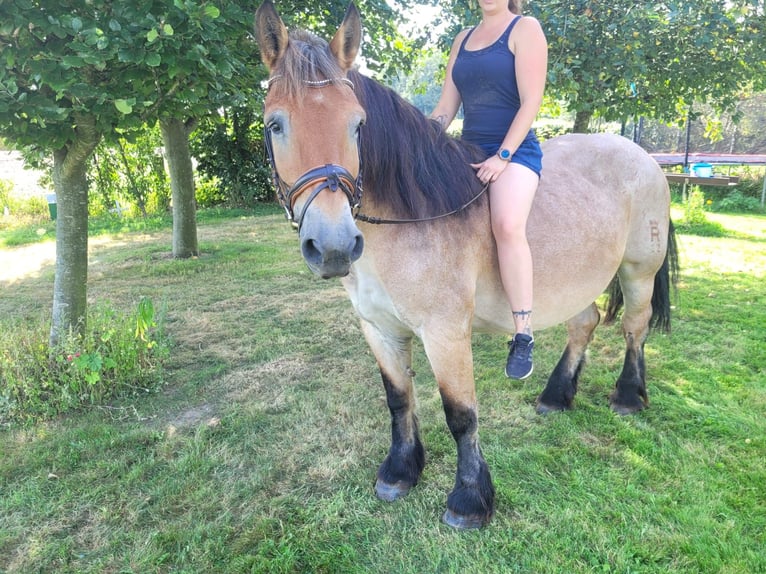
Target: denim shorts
point(528, 154)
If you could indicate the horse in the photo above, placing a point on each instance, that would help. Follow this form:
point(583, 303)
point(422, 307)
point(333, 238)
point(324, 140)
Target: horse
point(385, 200)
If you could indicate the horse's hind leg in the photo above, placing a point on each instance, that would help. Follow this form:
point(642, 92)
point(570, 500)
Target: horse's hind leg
point(629, 395)
point(402, 466)
point(560, 390)
point(471, 502)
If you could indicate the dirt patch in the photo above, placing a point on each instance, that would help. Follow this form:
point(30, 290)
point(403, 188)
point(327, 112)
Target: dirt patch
point(264, 382)
point(193, 417)
point(28, 261)
point(265, 385)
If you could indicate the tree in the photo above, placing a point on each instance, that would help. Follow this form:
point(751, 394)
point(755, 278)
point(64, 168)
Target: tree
point(76, 71)
point(55, 96)
point(175, 136)
point(192, 57)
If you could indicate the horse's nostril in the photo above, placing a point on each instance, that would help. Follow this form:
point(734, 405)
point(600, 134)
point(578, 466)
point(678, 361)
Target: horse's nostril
point(310, 251)
point(356, 252)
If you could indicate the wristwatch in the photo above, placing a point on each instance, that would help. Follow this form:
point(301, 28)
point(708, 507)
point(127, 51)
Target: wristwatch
point(504, 154)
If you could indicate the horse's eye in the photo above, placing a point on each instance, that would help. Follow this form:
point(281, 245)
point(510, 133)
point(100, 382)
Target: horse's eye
point(274, 127)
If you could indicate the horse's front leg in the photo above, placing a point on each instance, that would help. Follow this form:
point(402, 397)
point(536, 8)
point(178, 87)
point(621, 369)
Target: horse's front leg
point(472, 501)
point(402, 466)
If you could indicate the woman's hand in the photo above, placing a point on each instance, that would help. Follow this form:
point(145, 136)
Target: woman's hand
point(490, 169)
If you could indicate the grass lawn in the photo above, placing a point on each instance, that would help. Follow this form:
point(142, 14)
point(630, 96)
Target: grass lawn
point(259, 453)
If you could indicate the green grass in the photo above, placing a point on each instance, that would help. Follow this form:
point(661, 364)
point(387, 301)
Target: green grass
point(260, 453)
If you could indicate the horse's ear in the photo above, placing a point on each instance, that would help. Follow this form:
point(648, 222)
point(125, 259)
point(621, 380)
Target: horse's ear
point(271, 34)
point(345, 44)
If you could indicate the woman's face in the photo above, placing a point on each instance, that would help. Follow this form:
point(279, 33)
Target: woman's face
point(493, 6)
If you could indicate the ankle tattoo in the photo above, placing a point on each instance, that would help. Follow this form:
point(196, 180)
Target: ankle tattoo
point(525, 315)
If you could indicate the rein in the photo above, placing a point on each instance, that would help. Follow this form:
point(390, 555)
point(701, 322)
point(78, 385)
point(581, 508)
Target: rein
point(333, 177)
point(379, 220)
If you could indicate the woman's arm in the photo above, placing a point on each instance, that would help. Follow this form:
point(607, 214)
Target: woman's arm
point(449, 101)
point(530, 47)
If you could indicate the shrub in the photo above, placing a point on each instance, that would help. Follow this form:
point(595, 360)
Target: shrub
point(549, 130)
point(130, 173)
point(117, 356)
point(737, 202)
point(694, 207)
point(695, 219)
point(230, 156)
point(208, 192)
point(745, 197)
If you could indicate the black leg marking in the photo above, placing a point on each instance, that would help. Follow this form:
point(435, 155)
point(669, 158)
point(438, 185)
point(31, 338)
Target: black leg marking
point(471, 503)
point(402, 466)
point(560, 390)
point(630, 395)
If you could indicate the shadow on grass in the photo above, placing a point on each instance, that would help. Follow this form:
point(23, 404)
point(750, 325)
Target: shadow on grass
point(26, 234)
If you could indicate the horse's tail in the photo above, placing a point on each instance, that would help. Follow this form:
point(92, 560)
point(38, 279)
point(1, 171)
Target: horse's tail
point(665, 281)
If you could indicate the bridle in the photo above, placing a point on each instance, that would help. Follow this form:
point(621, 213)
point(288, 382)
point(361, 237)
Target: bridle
point(329, 176)
point(333, 177)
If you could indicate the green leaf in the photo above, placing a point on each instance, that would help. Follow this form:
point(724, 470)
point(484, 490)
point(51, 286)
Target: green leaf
point(76, 24)
point(11, 87)
point(92, 378)
point(153, 60)
point(212, 11)
point(152, 35)
point(123, 106)
point(114, 25)
point(92, 36)
point(167, 29)
point(131, 55)
point(72, 61)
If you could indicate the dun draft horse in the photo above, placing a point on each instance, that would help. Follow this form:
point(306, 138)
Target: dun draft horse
point(601, 212)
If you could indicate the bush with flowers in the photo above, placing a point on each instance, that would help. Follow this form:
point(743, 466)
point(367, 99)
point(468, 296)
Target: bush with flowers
point(695, 219)
point(118, 355)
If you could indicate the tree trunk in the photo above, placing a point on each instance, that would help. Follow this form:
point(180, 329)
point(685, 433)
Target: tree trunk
point(175, 137)
point(582, 121)
point(70, 165)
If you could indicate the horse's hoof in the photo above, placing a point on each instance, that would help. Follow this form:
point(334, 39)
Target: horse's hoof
point(624, 410)
point(543, 409)
point(460, 522)
point(391, 492)
point(630, 407)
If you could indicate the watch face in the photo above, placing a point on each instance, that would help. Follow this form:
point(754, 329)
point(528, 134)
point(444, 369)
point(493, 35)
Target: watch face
point(505, 154)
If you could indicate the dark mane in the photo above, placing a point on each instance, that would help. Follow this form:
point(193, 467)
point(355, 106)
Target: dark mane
point(410, 163)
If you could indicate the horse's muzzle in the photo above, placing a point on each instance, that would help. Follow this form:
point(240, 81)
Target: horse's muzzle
point(329, 250)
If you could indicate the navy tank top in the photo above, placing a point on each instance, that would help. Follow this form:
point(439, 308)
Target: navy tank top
point(486, 80)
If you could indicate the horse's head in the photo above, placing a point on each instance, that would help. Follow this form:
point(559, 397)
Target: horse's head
point(312, 120)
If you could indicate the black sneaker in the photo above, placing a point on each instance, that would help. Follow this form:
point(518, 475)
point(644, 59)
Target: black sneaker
point(519, 365)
